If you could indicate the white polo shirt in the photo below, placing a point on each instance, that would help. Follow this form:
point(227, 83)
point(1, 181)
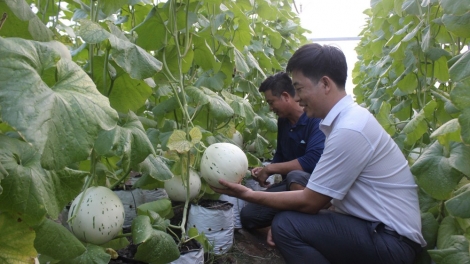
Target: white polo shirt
point(365, 172)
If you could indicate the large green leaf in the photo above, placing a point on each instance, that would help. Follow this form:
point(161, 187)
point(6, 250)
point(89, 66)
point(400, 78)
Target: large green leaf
point(133, 59)
point(56, 241)
point(155, 167)
point(434, 170)
point(455, 7)
point(160, 206)
point(22, 18)
point(459, 206)
point(385, 120)
point(457, 24)
point(456, 253)
point(240, 106)
point(16, 242)
point(217, 106)
point(203, 54)
point(151, 32)
point(129, 141)
point(160, 248)
point(110, 7)
point(460, 97)
point(447, 229)
point(211, 80)
point(31, 191)
point(91, 32)
point(460, 70)
point(141, 229)
point(93, 255)
point(450, 131)
point(60, 119)
point(240, 62)
point(429, 229)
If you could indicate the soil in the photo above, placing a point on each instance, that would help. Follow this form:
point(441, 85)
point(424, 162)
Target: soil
point(249, 247)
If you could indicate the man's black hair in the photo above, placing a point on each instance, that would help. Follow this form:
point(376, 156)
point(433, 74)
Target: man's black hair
point(315, 61)
point(278, 83)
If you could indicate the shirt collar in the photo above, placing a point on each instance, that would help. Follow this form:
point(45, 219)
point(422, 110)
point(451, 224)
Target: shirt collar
point(336, 110)
point(302, 119)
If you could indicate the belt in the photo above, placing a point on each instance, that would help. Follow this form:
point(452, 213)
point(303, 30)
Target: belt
point(411, 243)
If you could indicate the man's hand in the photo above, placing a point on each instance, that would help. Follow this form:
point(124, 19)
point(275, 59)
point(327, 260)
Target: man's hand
point(233, 189)
point(269, 238)
point(261, 174)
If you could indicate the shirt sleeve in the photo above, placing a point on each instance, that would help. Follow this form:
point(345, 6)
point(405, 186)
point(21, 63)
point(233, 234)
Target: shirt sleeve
point(315, 144)
point(346, 154)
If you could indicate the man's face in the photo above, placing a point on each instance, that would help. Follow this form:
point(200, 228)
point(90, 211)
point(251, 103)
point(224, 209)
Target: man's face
point(276, 104)
point(309, 95)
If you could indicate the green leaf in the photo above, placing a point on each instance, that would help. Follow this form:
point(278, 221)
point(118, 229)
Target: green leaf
point(459, 206)
point(153, 26)
point(447, 229)
point(429, 229)
point(415, 128)
point(460, 70)
point(129, 140)
point(212, 81)
point(449, 131)
point(23, 19)
point(141, 229)
point(413, 33)
point(161, 207)
point(440, 70)
point(133, 59)
point(418, 126)
point(383, 117)
point(455, 7)
point(110, 7)
point(197, 95)
point(274, 37)
point(253, 161)
point(93, 255)
point(159, 249)
point(253, 63)
point(408, 84)
point(62, 119)
point(56, 241)
point(31, 191)
point(457, 253)
point(240, 106)
point(460, 97)
point(203, 54)
point(457, 24)
point(240, 63)
point(435, 173)
point(155, 167)
point(196, 135)
point(242, 35)
point(16, 242)
point(91, 32)
point(217, 106)
point(179, 142)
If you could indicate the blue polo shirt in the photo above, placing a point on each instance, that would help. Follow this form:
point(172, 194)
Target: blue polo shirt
point(303, 141)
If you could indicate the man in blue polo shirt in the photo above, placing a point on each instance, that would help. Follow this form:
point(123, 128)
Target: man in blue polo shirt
point(299, 147)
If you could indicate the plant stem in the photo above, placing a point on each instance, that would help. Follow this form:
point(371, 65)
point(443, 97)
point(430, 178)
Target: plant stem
point(120, 179)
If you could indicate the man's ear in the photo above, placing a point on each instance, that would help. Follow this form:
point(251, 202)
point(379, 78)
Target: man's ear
point(326, 82)
point(285, 96)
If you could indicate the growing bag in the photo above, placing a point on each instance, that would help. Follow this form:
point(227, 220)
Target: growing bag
point(214, 218)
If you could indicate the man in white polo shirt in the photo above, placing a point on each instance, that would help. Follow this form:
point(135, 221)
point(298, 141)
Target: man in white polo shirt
point(362, 172)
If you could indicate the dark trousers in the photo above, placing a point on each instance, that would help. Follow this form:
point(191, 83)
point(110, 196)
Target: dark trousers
point(254, 216)
point(330, 237)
